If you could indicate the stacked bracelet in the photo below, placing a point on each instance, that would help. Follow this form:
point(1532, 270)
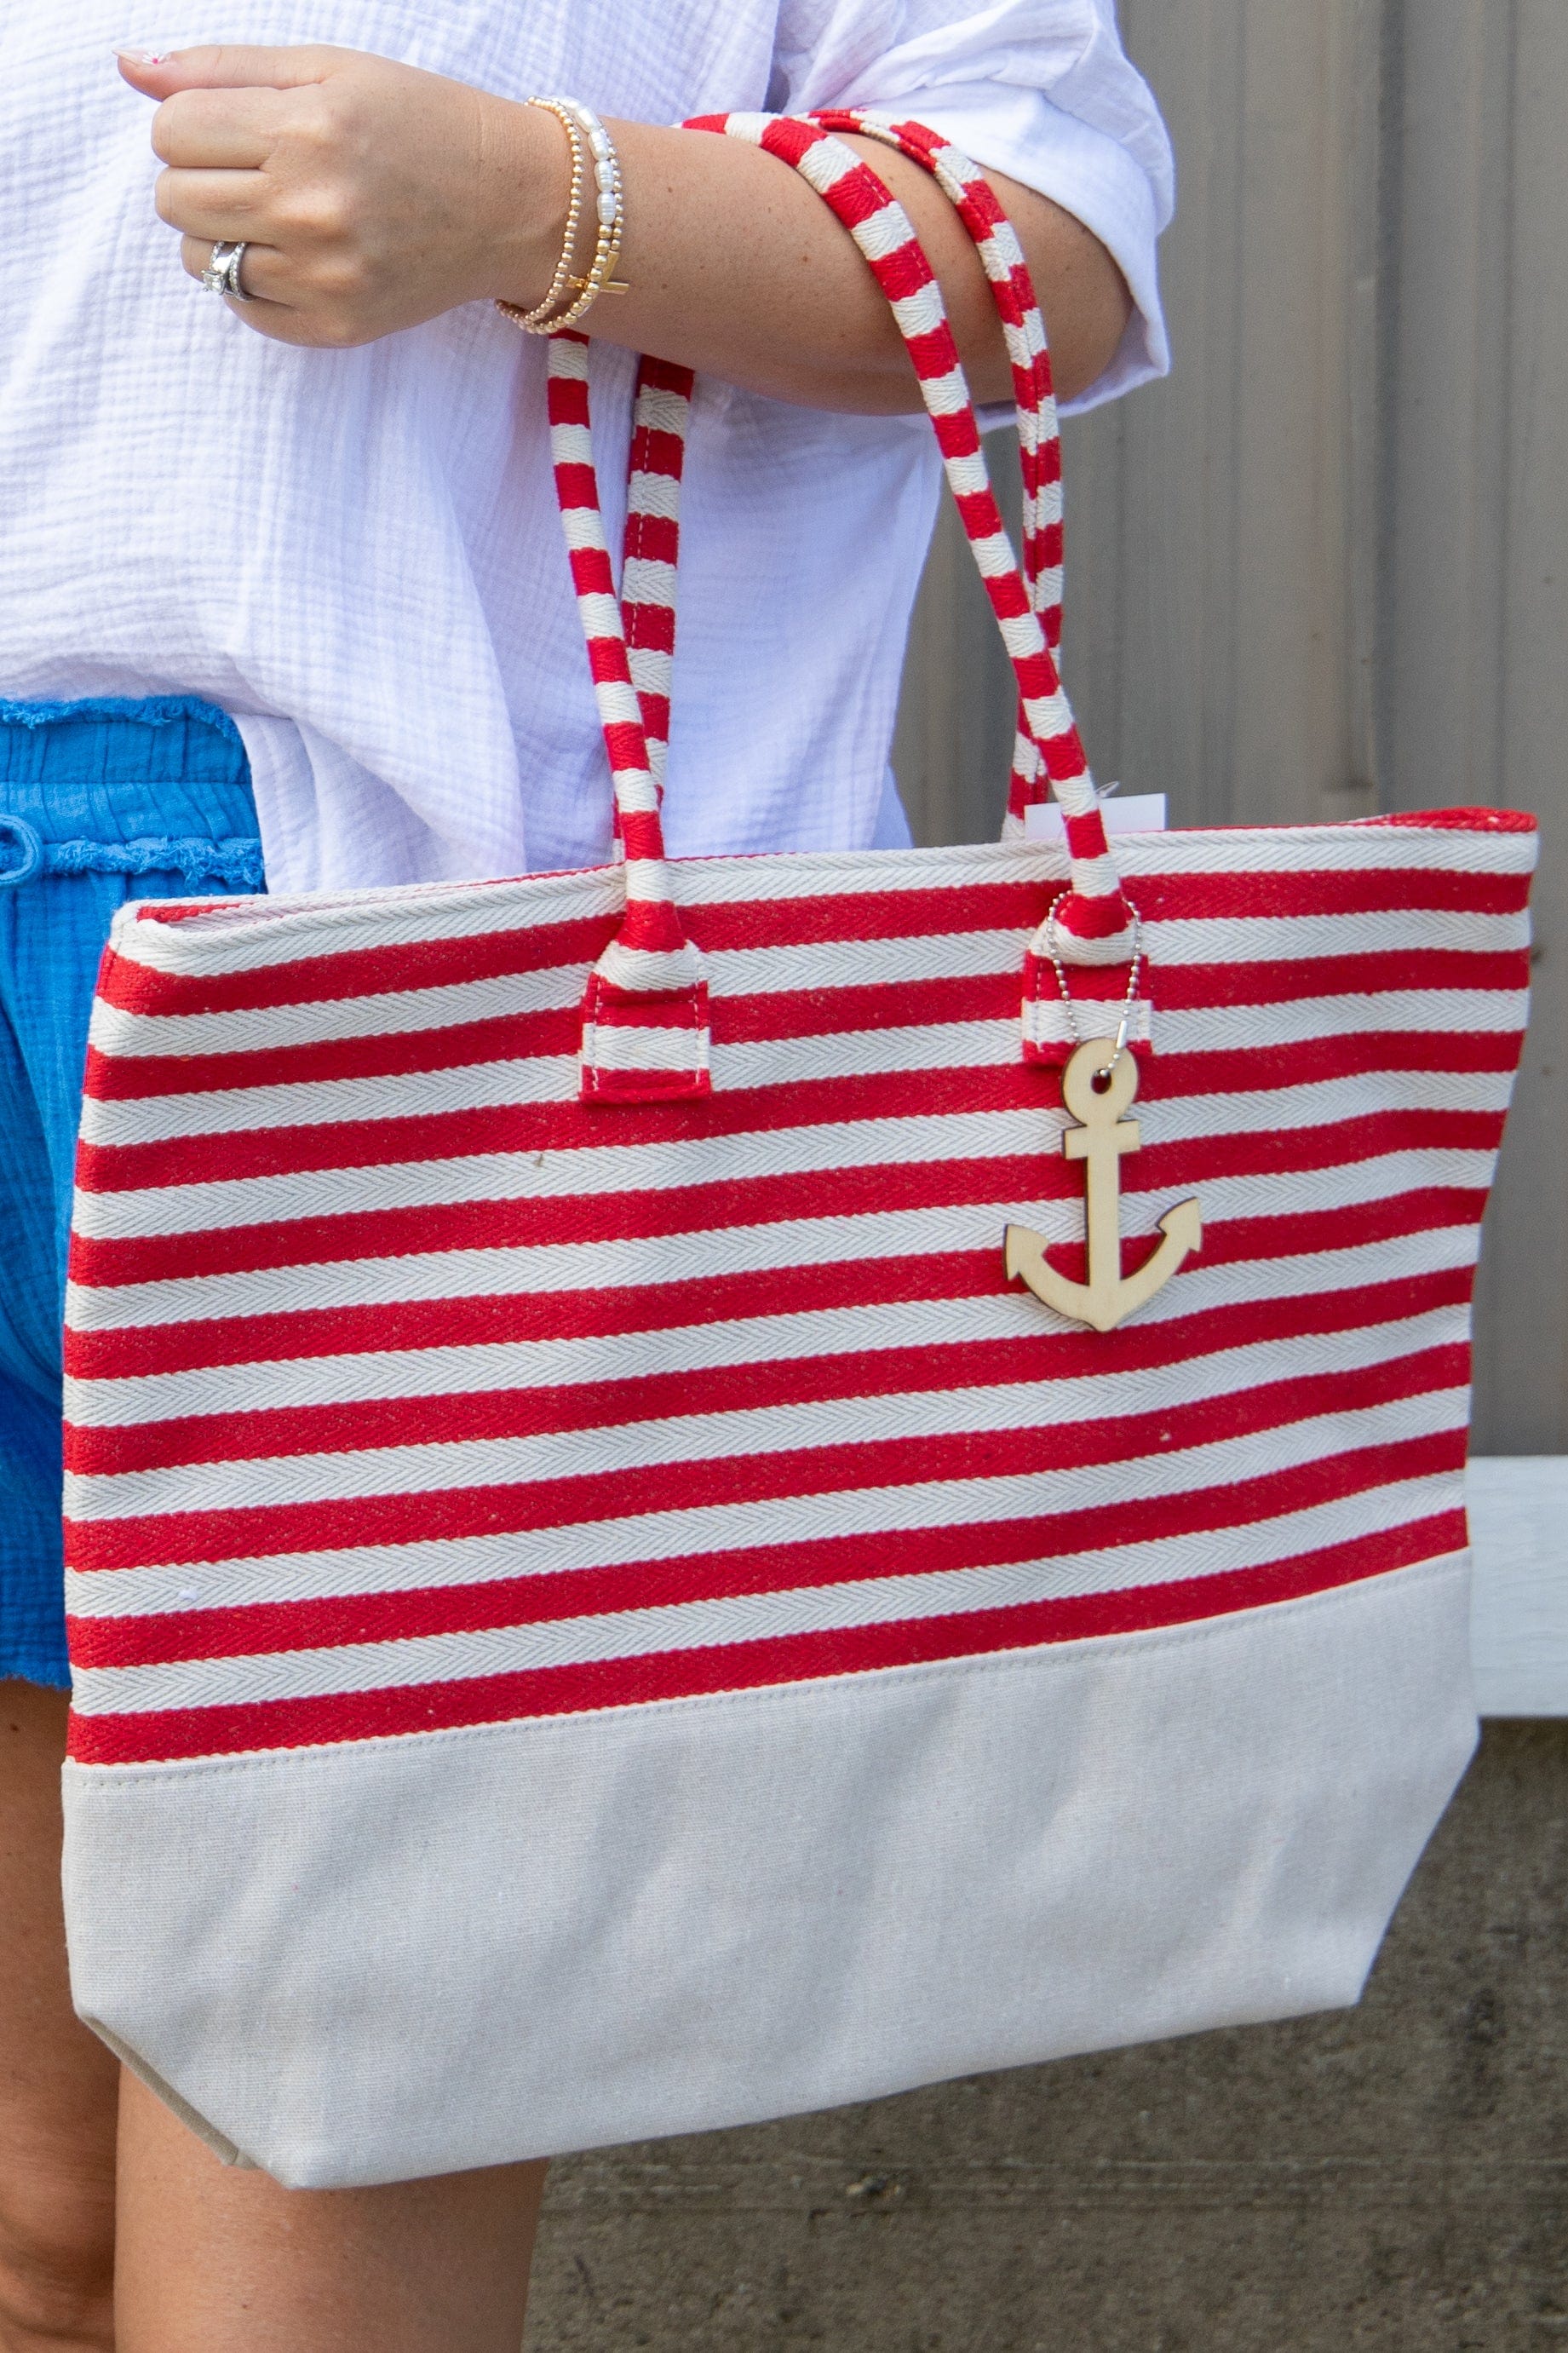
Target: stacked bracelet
point(570, 298)
point(537, 321)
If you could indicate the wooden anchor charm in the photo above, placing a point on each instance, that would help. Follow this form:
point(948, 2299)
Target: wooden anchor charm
point(1100, 1138)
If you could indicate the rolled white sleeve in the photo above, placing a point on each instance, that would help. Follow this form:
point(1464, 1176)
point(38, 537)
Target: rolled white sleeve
point(1040, 89)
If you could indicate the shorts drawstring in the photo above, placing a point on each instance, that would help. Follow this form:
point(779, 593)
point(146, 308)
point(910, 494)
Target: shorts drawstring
point(29, 844)
point(232, 864)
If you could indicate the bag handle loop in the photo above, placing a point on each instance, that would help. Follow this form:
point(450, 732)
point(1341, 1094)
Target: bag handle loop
point(1034, 398)
point(645, 1032)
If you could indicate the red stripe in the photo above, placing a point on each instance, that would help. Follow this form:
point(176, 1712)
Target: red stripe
point(656, 538)
point(1179, 988)
point(607, 665)
point(654, 628)
point(666, 375)
point(742, 1020)
point(234, 1155)
point(640, 1214)
point(1461, 820)
point(502, 1038)
point(619, 1683)
point(523, 1315)
point(795, 1013)
point(576, 490)
point(801, 923)
point(271, 1629)
point(592, 576)
point(1029, 1355)
point(1090, 916)
point(357, 972)
point(566, 399)
point(260, 1531)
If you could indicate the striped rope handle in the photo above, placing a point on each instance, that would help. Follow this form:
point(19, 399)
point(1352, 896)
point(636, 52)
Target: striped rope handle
point(663, 408)
point(1093, 921)
point(661, 415)
point(1039, 444)
point(1034, 397)
point(645, 1017)
point(646, 1033)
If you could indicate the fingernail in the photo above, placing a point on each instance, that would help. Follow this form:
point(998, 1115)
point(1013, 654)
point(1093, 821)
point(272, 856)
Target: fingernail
point(142, 56)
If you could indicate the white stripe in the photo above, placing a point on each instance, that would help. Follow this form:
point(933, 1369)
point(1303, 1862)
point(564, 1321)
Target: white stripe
point(653, 672)
point(471, 1086)
point(1095, 878)
point(745, 972)
point(541, 1078)
point(633, 1633)
point(883, 232)
point(671, 1045)
point(655, 494)
point(127, 1036)
point(945, 395)
point(1421, 1012)
point(651, 970)
point(1268, 939)
point(825, 164)
point(572, 445)
point(343, 1474)
point(731, 971)
point(1000, 251)
point(1048, 714)
point(821, 1147)
point(739, 1250)
point(663, 410)
point(438, 1371)
point(584, 529)
point(481, 1560)
point(994, 555)
point(1074, 796)
point(966, 477)
point(807, 1241)
point(648, 581)
point(750, 127)
point(973, 1045)
point(1046, 1021)
point(251, 934)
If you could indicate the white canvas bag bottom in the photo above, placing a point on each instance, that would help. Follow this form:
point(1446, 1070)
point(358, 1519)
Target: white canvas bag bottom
point(473, 1946)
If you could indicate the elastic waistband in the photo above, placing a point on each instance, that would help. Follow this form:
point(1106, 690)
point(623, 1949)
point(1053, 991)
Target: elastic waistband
point(232, 864)
point(111, 786)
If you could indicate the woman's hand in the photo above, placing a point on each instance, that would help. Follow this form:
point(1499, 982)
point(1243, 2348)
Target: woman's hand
point(369, 196)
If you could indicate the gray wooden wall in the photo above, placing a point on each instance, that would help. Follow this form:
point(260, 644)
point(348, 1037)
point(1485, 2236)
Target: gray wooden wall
point(1324, 569)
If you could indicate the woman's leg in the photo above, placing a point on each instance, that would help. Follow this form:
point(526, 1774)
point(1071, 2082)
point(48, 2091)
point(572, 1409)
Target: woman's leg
point(57, 2083)
point(211, 2259)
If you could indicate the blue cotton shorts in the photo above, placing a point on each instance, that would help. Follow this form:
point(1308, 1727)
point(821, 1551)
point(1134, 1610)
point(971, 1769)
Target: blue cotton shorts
point(99, 802)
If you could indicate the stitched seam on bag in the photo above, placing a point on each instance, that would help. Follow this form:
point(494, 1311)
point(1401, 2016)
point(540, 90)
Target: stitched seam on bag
point(1027, 1657)
point(590, 1049)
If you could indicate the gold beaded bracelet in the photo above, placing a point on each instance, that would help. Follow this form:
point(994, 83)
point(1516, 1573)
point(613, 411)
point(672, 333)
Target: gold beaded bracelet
point(537, 321)
point(571, 298)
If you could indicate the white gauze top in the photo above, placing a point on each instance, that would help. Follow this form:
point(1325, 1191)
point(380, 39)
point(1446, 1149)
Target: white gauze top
point(358, 552)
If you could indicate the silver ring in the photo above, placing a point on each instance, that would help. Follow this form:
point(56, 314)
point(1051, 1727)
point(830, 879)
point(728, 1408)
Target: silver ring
point(221, 275)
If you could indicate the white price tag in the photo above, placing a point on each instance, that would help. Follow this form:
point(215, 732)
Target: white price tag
point(1135, 813)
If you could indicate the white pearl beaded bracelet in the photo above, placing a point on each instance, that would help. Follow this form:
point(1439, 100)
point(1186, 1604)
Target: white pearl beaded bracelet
point(570, 298)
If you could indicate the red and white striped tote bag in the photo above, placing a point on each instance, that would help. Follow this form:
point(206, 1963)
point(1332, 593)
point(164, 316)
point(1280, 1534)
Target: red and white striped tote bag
point(679, 1509)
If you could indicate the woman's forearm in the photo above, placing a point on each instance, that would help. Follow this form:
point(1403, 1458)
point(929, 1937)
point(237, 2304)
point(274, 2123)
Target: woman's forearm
point(737, 268)
point(372, 196)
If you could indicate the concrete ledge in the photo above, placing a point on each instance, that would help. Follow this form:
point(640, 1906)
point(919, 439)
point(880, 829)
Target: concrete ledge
point(1519, 1625)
